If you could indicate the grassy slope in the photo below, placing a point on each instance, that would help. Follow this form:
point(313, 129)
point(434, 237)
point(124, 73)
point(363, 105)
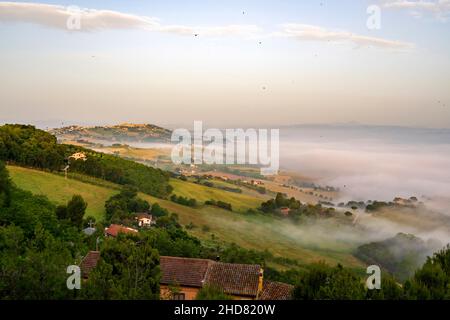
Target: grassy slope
point(239, 202)
point(254, 232)
point(60, 190)
point(249, 231)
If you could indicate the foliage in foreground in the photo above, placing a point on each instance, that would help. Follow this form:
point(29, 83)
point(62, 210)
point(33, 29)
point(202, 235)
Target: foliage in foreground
point(212, 293)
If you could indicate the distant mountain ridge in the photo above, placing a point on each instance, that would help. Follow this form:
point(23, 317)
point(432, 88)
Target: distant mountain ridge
point(125, 132)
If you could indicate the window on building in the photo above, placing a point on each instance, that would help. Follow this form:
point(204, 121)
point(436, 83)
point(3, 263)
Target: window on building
point(178, 296)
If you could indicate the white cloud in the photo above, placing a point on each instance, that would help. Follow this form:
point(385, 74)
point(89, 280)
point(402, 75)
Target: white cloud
point(440, 8)
point(315, 33)
point(56, 16)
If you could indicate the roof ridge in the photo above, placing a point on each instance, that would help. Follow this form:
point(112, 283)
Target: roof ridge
point(239, 264)
point(208, 269)
point(185, 258)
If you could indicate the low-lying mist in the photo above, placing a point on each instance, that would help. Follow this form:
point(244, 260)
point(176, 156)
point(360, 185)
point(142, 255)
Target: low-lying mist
point(373, 163)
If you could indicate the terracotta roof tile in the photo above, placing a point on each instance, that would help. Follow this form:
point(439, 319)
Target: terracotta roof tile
point(115, 229)
point(89, 262)
point(235, 279)
point(183, 271)
point(273, 290)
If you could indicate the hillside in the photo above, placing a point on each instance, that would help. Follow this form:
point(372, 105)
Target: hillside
point(60, 190)
point(239, 202)
point(125, 132)
point(401, 255)
point(28, 146)
point(249, 231)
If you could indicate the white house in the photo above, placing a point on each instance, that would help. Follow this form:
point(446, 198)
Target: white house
point(145, 219)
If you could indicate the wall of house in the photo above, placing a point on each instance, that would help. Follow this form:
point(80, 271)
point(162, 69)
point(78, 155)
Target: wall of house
point(189, 292)
point(242, 297)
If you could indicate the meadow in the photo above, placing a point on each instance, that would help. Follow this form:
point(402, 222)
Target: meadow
point(60, 190)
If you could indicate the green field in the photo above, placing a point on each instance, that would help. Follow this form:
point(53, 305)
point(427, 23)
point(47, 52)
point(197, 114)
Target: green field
point(258, 231)
point(59, 190)
point(239, 201)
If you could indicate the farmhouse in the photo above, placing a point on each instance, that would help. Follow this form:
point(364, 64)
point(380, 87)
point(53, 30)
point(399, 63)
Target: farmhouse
point(144, 219)
point(240, 281)
point(79, 156)
point(257, 182)
point(285, 211)
point(182, 278)
point(114, 229)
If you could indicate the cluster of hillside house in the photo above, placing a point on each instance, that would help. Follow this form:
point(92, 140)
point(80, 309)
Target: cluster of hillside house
point(190, 275)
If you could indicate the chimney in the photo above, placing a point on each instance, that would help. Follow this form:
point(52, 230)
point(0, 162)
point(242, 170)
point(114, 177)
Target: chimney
point(260, 282)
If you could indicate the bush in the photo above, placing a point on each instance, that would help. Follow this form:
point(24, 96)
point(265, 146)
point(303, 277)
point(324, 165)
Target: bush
point(190, 202)
point(209, 292)
point(219, 204)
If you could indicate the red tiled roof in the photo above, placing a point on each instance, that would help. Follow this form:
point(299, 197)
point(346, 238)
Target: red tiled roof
point(233, 278)
point(89, 262)
point(273, 290)
point(115, 229)
point(183, 271)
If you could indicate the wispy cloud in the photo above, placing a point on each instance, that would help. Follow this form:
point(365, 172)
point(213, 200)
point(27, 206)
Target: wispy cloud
point(305, 32)
point(439, 8)
point(56, 16)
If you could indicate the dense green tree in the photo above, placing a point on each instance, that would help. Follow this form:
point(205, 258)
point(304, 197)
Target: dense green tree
point(27, 210)
point(76, 208)
point(432, 281)
point(5, 186)
point(128, 269)
point(280, 200)
point(390, 290)
point(168, 222)
point(121, 207)
point(237, 254)
point(190, 202)
point(158, 211)
point(342, 284)
point(331, 283)
point(34, 268)
point(61, 212)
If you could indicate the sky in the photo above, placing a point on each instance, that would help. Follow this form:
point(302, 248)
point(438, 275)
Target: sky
point(227, 63)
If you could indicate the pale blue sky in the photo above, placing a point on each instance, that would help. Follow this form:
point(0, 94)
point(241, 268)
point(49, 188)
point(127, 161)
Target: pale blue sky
point(341, 72)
